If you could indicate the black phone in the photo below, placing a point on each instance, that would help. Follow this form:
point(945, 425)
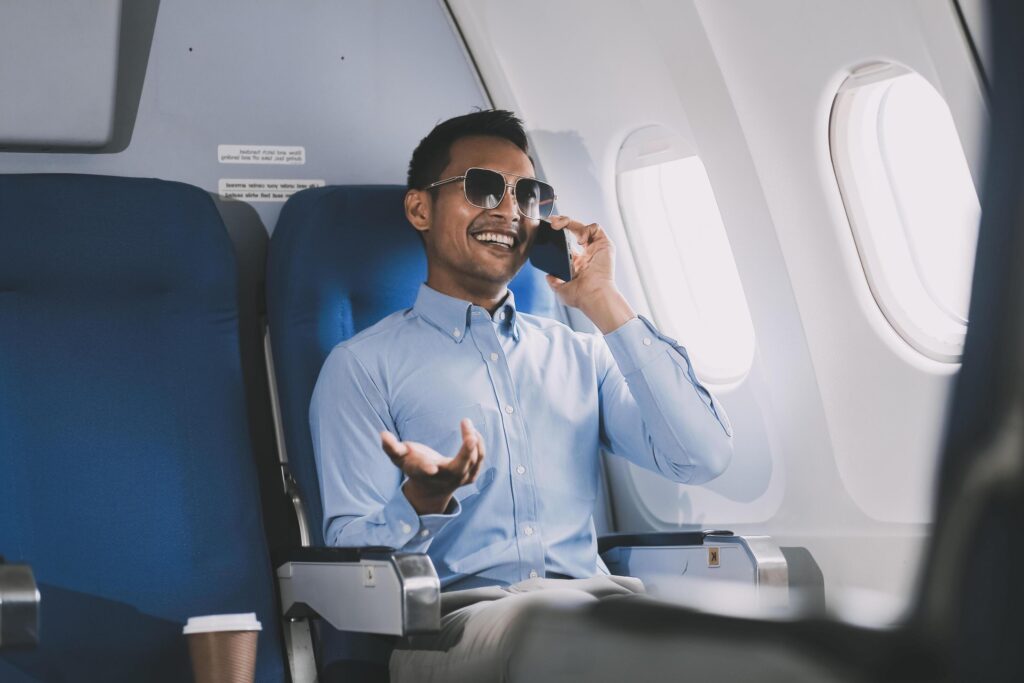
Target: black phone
point(550, 252)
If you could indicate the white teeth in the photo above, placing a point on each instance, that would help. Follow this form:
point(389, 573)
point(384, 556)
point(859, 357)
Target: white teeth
point(494, 237)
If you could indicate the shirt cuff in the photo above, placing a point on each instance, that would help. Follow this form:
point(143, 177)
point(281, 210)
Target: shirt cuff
point(406, 525)
point(635, 344)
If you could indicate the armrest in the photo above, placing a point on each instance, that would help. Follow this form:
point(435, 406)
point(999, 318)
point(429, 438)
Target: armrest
point(19, 606)
point(368, 590)
point(670, 563)
point(320, 554)
point(655, 538)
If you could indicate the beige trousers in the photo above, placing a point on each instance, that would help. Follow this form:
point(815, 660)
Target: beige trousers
point(481, 628)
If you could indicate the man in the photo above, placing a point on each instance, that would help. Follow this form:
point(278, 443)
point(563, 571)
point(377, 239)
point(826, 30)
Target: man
point(466, 429)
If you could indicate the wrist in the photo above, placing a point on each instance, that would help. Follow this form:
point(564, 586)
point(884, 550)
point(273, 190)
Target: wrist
point(425, 502)
point(607, 309)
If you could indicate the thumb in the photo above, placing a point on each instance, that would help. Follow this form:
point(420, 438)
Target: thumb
point(393, 446)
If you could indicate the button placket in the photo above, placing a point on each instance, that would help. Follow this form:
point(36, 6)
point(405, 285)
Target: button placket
point(489, 346)
point(524, 504)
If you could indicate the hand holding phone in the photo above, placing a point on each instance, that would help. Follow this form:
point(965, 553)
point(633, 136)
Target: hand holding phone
point(550, 252)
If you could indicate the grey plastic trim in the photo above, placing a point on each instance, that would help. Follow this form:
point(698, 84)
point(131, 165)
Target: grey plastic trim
point(298, 639)
point(19, 606)
point(291, 487)
point(301, 658)
point(388, 593)
point(755, 561)
point(421, 593)
point(770, 563)
point(275, 404)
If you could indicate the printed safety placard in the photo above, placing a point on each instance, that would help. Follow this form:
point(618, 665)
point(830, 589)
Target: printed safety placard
point(261, 154)
point(263, 189)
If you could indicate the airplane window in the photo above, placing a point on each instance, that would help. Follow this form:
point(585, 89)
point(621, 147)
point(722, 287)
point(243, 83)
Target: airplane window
point(911, 202)
point(683, 254)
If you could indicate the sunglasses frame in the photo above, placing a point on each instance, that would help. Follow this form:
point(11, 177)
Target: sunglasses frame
point(507, 185)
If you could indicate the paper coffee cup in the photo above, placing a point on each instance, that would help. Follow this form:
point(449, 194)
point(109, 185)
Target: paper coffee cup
point(223, 647)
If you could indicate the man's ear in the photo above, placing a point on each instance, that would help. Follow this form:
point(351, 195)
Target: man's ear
point(417, 209)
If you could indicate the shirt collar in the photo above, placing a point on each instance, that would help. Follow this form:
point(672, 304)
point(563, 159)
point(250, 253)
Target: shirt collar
point(451, 316)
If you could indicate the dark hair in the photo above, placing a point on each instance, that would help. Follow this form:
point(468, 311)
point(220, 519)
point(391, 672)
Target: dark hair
point(433, 153)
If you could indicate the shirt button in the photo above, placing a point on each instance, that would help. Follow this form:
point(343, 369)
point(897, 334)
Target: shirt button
point(520, 470)
point(457, 332)
point(647, 341)
point(425, 532)
point(528, 530)
point(494, 357)
point(406, 528)
point(509, 409)
point(501, 316)
point(533, 574)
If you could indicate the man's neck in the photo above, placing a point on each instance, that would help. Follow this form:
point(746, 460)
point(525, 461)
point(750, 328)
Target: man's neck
point(486, 296)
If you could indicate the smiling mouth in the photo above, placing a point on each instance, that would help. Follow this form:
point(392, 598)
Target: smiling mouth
point(496, 239)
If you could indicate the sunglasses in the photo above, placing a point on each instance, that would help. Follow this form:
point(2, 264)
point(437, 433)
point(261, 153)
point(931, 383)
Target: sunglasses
point(485, 189)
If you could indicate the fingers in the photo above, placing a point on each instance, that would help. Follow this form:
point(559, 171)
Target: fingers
point(585, 234)
point(407, 458)
point(392, 446)
point(416, 459)
point(468, 431)
point(474, 470)
point(467, 455)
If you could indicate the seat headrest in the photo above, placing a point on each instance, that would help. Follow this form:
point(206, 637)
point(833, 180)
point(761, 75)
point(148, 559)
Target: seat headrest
point(71, 233)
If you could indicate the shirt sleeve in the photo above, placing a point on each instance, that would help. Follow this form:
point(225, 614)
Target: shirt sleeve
point(359, 485)
point(654, 411)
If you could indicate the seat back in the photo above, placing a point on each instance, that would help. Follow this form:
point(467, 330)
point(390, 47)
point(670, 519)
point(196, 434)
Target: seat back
point(342, 258)
point(971, 590)
point(126, 479)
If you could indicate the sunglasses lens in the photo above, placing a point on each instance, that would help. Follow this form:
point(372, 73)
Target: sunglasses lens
point(484, 188)
point(535, 198)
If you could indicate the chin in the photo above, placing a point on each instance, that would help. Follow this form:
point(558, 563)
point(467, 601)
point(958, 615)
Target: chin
point(497, 276)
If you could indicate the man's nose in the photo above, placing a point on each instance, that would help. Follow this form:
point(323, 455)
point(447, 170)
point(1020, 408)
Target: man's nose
point(507, 206)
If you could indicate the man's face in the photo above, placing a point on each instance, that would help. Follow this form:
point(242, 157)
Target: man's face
point(456, 239)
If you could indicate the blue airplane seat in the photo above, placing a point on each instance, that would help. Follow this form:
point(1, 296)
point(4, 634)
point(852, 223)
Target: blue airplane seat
point(127, 479)
point(341, 258)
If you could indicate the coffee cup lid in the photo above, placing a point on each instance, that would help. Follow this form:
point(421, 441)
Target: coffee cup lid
point(222, 622)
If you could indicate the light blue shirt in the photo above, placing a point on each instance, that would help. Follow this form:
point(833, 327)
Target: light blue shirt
point(544, 397)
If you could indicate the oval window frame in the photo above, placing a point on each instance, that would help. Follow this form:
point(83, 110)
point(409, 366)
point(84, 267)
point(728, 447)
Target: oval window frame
point(858, 103)
point(654, 145)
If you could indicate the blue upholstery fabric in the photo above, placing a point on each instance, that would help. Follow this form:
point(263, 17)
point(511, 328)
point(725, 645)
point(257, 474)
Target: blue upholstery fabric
point(342, 258)
point(126, 471)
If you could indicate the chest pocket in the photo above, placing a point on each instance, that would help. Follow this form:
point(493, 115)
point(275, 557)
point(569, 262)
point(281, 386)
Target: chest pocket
point(441, 431)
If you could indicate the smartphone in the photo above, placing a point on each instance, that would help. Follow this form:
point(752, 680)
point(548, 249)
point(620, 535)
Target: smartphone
point(550, 252)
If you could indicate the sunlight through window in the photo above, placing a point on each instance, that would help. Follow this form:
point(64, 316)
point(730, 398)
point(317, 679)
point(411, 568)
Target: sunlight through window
point(911, 203)
point(683, 254)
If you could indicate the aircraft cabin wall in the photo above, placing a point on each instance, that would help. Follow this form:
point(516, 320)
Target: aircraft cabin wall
point(837, 418)
point(357, 84)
